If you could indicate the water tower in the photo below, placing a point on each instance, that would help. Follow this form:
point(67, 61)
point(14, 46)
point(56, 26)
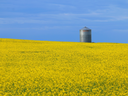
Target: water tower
point(85, 35)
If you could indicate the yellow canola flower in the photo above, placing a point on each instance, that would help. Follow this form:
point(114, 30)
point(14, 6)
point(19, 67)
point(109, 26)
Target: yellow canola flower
point(46, 68)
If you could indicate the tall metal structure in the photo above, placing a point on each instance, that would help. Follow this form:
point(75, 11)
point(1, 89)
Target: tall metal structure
point(85, 35)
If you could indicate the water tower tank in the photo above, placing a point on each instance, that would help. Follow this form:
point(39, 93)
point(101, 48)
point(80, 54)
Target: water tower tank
point(85, 35)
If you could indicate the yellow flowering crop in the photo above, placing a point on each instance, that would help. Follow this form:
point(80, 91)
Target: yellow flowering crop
point(47, 68)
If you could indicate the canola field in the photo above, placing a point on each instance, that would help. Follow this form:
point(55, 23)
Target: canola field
point(49, 68)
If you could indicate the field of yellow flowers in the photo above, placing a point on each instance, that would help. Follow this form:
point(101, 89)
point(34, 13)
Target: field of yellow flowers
point(48, 68)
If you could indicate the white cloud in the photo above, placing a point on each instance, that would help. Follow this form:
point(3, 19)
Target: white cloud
point(22, 21)
point(113, 13)
point(121, 31)
point(22, 18)
point(110, 13)
point(38, 28)
point(61, 6)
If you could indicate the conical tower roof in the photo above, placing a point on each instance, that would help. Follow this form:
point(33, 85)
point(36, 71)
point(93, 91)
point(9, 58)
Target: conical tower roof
point(85, 28)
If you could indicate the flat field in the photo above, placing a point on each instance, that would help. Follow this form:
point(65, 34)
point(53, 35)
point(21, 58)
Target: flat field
point(47, 68)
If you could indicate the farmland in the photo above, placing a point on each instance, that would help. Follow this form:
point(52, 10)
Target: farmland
point(49, 68)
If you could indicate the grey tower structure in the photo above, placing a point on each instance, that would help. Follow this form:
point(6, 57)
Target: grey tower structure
point(85, 35)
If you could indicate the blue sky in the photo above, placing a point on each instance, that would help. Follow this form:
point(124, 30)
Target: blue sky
point(61, 20)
